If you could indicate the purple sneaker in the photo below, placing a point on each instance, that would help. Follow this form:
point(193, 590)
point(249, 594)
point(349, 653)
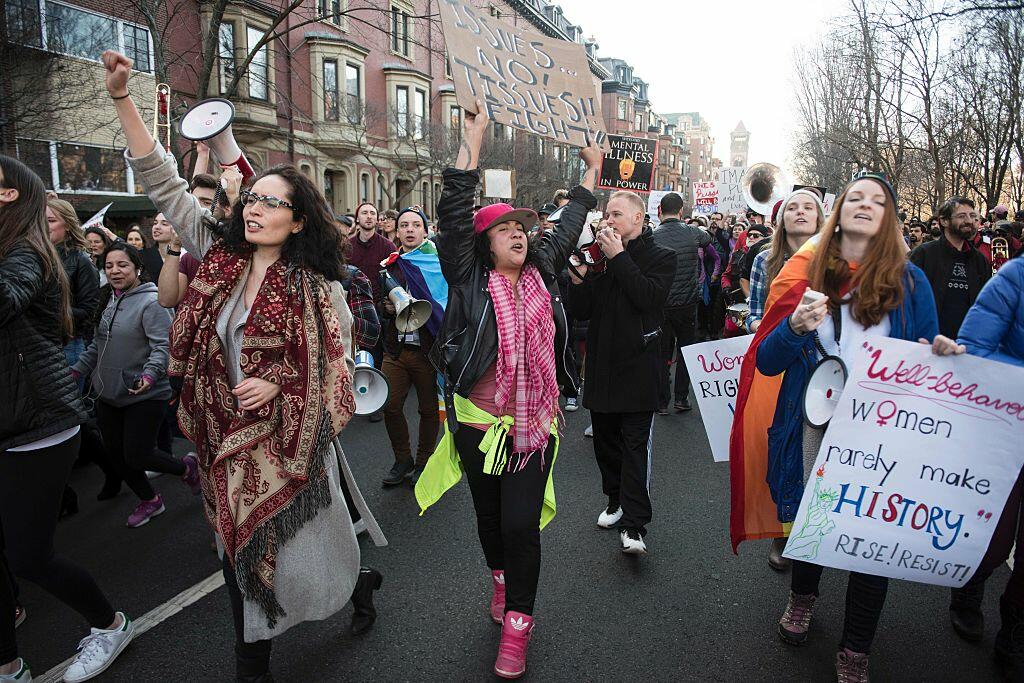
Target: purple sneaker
point(146, 511)
point(191, 476)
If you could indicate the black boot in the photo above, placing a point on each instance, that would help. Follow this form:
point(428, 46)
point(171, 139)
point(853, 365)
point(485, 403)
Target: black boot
point(68, 503)
point(364, 613)
point(1009, 645)
point(965, 611)
point(252, 662)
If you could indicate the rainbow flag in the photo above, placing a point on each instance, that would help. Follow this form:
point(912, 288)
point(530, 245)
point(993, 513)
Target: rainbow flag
point(753, 513)
point(422, 271)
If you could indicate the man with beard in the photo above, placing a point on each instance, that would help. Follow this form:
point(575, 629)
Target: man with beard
point(915, 234)
point(954, 267)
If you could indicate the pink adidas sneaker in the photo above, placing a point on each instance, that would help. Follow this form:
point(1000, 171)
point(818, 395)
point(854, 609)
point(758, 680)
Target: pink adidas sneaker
point(498, 598)
point(515, 637)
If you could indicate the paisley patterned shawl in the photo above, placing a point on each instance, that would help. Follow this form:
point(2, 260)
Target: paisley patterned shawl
point(263, 472)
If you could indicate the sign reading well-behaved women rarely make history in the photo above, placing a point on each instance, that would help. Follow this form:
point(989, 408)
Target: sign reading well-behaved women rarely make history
point(915, 466)
point(628, 164)
point(525, 80)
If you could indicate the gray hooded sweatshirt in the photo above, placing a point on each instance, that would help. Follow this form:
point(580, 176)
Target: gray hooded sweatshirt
point(131, 340)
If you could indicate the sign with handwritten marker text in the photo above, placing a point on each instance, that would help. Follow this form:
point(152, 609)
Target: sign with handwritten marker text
point(730, 190)
point(705, 198)
point(915, 466)
point(714, 368)
point(525, 80)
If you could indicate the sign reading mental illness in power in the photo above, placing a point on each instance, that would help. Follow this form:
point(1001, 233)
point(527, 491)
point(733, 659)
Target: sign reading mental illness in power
point(915, 467)
point(525, 80)
point(628, 164)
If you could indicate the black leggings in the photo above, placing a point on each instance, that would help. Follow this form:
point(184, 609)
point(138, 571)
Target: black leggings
point(251, 659)
point(31, 486)
point(508, 516)
point(865, 597)
point(129, 434)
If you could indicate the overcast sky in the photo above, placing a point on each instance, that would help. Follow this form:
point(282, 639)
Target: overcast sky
point(731, 60)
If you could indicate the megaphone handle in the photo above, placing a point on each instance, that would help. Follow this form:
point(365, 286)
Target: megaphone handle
point(449, 408)
point(244, 167)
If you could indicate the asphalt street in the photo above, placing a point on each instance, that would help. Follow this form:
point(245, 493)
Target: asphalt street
point(689, 611)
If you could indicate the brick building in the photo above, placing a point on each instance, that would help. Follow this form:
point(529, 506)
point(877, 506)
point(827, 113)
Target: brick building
point(695, 133)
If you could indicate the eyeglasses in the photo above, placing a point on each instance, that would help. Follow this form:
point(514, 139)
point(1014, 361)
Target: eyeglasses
point(965, 216)
point(249, 198)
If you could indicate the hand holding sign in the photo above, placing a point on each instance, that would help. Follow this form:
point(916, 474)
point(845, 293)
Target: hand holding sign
point(474, 125)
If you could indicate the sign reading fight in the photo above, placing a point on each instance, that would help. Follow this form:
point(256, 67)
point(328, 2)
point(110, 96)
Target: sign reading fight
point(915, 466)
point(705, 198)
point(714, 369)
point(525, 80)
point(628, 164)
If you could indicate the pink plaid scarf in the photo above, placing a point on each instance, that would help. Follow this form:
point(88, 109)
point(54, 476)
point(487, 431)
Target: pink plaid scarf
point(525, 360)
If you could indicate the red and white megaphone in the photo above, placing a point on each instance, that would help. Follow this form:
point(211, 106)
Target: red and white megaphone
point(588, 251)
point(210, 122)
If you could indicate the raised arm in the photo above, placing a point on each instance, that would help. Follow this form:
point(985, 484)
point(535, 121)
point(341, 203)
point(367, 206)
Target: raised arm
point(455, 208)
point(556, 244)
point(154, 167)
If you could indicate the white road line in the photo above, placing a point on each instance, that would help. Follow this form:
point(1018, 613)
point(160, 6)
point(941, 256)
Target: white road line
point(151, 618)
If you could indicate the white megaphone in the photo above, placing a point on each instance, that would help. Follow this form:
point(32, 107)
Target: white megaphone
point(369, 385)
point(210, 122)
point(410, 314)
point(823, 391)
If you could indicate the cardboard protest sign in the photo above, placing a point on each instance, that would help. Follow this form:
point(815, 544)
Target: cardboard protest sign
point(705, 198)
point(525, 80)
point(915, 466)
point(499, 183)
point(714, 368)
point(829, 202)
point(730, 190)
point(653, 202)
point(628, 164)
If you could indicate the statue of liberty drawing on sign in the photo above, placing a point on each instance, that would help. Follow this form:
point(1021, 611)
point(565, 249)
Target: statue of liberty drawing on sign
point(803, 544)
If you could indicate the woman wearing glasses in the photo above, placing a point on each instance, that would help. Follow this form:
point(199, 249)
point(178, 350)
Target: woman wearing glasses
point(261, 342)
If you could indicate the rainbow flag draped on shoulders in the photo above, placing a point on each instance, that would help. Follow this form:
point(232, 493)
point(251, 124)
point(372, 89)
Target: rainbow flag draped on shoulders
point(422, 271)
point(753, 513)
point(424, 280)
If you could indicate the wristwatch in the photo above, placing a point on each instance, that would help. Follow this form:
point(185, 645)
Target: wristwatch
point(172, 252)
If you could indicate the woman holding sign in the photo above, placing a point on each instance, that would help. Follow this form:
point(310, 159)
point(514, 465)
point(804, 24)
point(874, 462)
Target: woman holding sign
point(852, 281)
point(502, 349)
point(994, 328)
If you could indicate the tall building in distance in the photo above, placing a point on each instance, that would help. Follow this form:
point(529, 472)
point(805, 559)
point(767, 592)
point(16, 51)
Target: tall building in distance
point(739, 146)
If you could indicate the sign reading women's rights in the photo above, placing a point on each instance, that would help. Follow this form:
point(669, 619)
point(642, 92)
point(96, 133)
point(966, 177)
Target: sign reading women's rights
point(915, 467)
point(536, 84)
point(628, 164)
point(714, 368)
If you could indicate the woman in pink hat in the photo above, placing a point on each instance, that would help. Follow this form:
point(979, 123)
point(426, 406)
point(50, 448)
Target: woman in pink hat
point(504, 354)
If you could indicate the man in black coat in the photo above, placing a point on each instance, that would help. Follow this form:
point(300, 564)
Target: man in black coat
point(624, 306)
point(955, 268)
point(680, 326)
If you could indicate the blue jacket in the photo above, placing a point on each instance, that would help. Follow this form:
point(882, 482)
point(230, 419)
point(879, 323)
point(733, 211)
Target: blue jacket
point(994, 327)
point(783, 350)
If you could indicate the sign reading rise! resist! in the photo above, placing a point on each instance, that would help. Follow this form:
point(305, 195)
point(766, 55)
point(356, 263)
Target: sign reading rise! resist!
point(628, 164)
point(714, 369)
point(525, 80)
point(915, 467)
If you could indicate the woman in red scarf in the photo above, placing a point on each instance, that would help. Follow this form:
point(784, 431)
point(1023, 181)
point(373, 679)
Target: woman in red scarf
point(261, 343)
point(504, 354)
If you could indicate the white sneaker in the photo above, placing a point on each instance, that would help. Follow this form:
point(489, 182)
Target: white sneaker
point(22, 675)
point(359, 527)
point(98, 650)
point(153, 475)
point(609, 518)
point(589, 432)
point(632, 543)
point(571, 405)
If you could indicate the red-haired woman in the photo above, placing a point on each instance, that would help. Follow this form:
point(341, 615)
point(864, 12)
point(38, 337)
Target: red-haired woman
point(859, 263)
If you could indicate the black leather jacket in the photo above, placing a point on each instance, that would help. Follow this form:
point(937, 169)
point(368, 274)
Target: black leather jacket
point(38, 396)
point(468, 342)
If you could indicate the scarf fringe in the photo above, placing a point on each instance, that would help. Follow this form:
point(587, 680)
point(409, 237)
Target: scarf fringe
point(282, 527)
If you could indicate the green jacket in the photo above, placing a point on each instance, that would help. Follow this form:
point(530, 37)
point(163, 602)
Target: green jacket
point(444, 469)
